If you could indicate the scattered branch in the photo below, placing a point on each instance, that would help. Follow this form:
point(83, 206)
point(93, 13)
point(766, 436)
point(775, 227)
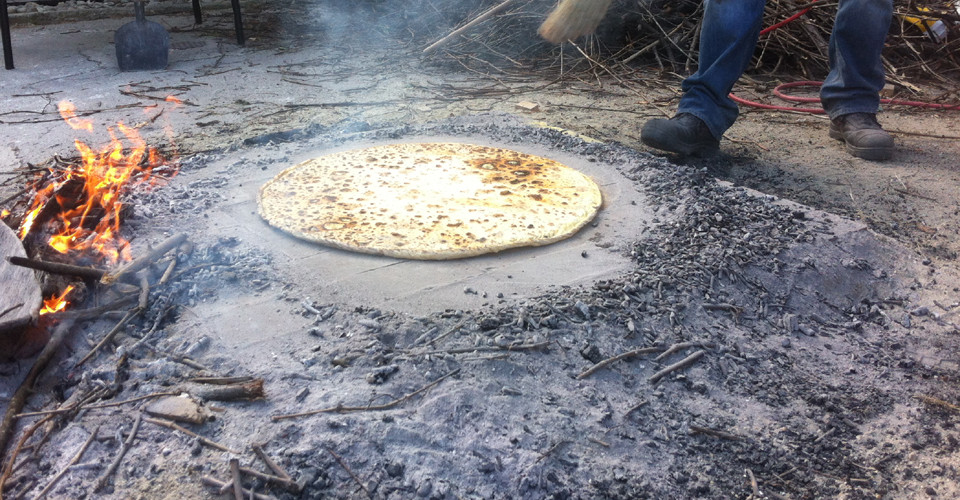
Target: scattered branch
point(103, 479)
point(683, 363)
point(203, 440)
point(386, 406)
point(619, 357)
point(347, 468)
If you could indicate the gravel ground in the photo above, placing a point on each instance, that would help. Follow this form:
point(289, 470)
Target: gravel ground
point(821, 354)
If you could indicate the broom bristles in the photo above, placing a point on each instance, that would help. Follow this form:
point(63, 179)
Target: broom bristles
point(573, 19)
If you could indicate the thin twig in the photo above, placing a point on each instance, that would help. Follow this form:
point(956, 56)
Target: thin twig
point(145, 260)
point(109, 336)
point(482, 17)
point(73, 461)
point(105, 477)
point(19, 398)
point(208, 442)
point(629, 354)
point(219, 484)
point(683, 363)
point(286, 483)
point(347, 468)
point(679, 347)
point(258, 449)
point(102, 405)
point(386, 406)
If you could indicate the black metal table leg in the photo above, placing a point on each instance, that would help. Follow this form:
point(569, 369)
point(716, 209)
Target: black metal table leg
point(5, 35)
point(237, 22)
point(197, 16)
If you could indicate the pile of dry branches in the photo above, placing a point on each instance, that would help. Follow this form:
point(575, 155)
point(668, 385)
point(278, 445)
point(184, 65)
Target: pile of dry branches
point(665, 34)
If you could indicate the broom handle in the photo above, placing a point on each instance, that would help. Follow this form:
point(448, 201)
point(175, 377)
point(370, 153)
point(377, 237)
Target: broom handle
point(482, 17)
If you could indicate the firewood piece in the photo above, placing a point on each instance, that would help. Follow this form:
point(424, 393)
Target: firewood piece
point(235, 475)
point(246, 391)
point(145, 260)
point(89, 273)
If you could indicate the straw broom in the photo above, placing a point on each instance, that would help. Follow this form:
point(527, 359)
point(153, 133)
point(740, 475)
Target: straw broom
point(572, 19)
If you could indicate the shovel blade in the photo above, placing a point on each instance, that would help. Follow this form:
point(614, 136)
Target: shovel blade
point(141, 46)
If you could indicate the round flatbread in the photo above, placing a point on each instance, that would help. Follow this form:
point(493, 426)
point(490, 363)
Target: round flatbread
point(430, 200)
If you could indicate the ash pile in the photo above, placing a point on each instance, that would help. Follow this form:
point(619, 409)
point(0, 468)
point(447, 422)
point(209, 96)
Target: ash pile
point(755, 348)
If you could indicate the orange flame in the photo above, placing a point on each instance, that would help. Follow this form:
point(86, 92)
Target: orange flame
point(91, 222)
point(56, 303)
point(69, 114)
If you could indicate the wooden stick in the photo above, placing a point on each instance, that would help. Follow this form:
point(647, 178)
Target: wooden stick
point(683, 363)
point(145, 260)
point(102, 405)
point(258, 449)
point(109, 336)
point(221, 380)
point(247, 391)
point(88, 273)
point(219, 484)
point(235, 474)
point(208, 442)
point(679, 347)
point(8, 468)
point(347, 468)
point(345, 409)
point(19, 398)
point(287, 483)
point(103, 479)
point(482, 17)
point(76, 458)
point(629, 354)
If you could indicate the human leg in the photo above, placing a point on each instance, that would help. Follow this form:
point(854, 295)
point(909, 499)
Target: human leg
point(728, 38)
point(850, 93)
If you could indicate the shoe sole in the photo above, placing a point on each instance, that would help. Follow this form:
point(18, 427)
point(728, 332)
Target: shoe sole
point(684, 149)
point(873, 154)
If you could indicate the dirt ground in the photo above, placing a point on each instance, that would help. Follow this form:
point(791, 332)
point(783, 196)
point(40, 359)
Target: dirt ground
point(818, 322)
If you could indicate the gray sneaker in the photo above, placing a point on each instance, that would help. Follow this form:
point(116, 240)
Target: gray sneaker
point(684, 134)
point(863, 135)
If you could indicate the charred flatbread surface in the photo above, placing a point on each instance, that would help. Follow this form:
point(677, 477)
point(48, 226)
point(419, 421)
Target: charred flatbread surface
point(430, 201)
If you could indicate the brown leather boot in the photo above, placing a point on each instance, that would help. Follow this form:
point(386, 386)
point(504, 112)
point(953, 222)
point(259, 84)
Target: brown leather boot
point(863, 135)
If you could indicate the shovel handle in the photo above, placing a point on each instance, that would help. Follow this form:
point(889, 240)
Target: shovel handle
point(138, 11)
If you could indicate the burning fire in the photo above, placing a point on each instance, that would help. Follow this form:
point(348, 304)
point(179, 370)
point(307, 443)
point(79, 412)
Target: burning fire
point(89, 221)
point(56, 303)
point(80, 206)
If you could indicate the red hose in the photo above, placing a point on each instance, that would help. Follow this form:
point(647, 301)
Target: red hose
point(778, 91)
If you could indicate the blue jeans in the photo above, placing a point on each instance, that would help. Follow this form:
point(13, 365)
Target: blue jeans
point(729, 36)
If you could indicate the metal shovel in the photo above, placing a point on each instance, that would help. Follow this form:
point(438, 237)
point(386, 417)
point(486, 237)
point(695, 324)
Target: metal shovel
point(141, 44)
